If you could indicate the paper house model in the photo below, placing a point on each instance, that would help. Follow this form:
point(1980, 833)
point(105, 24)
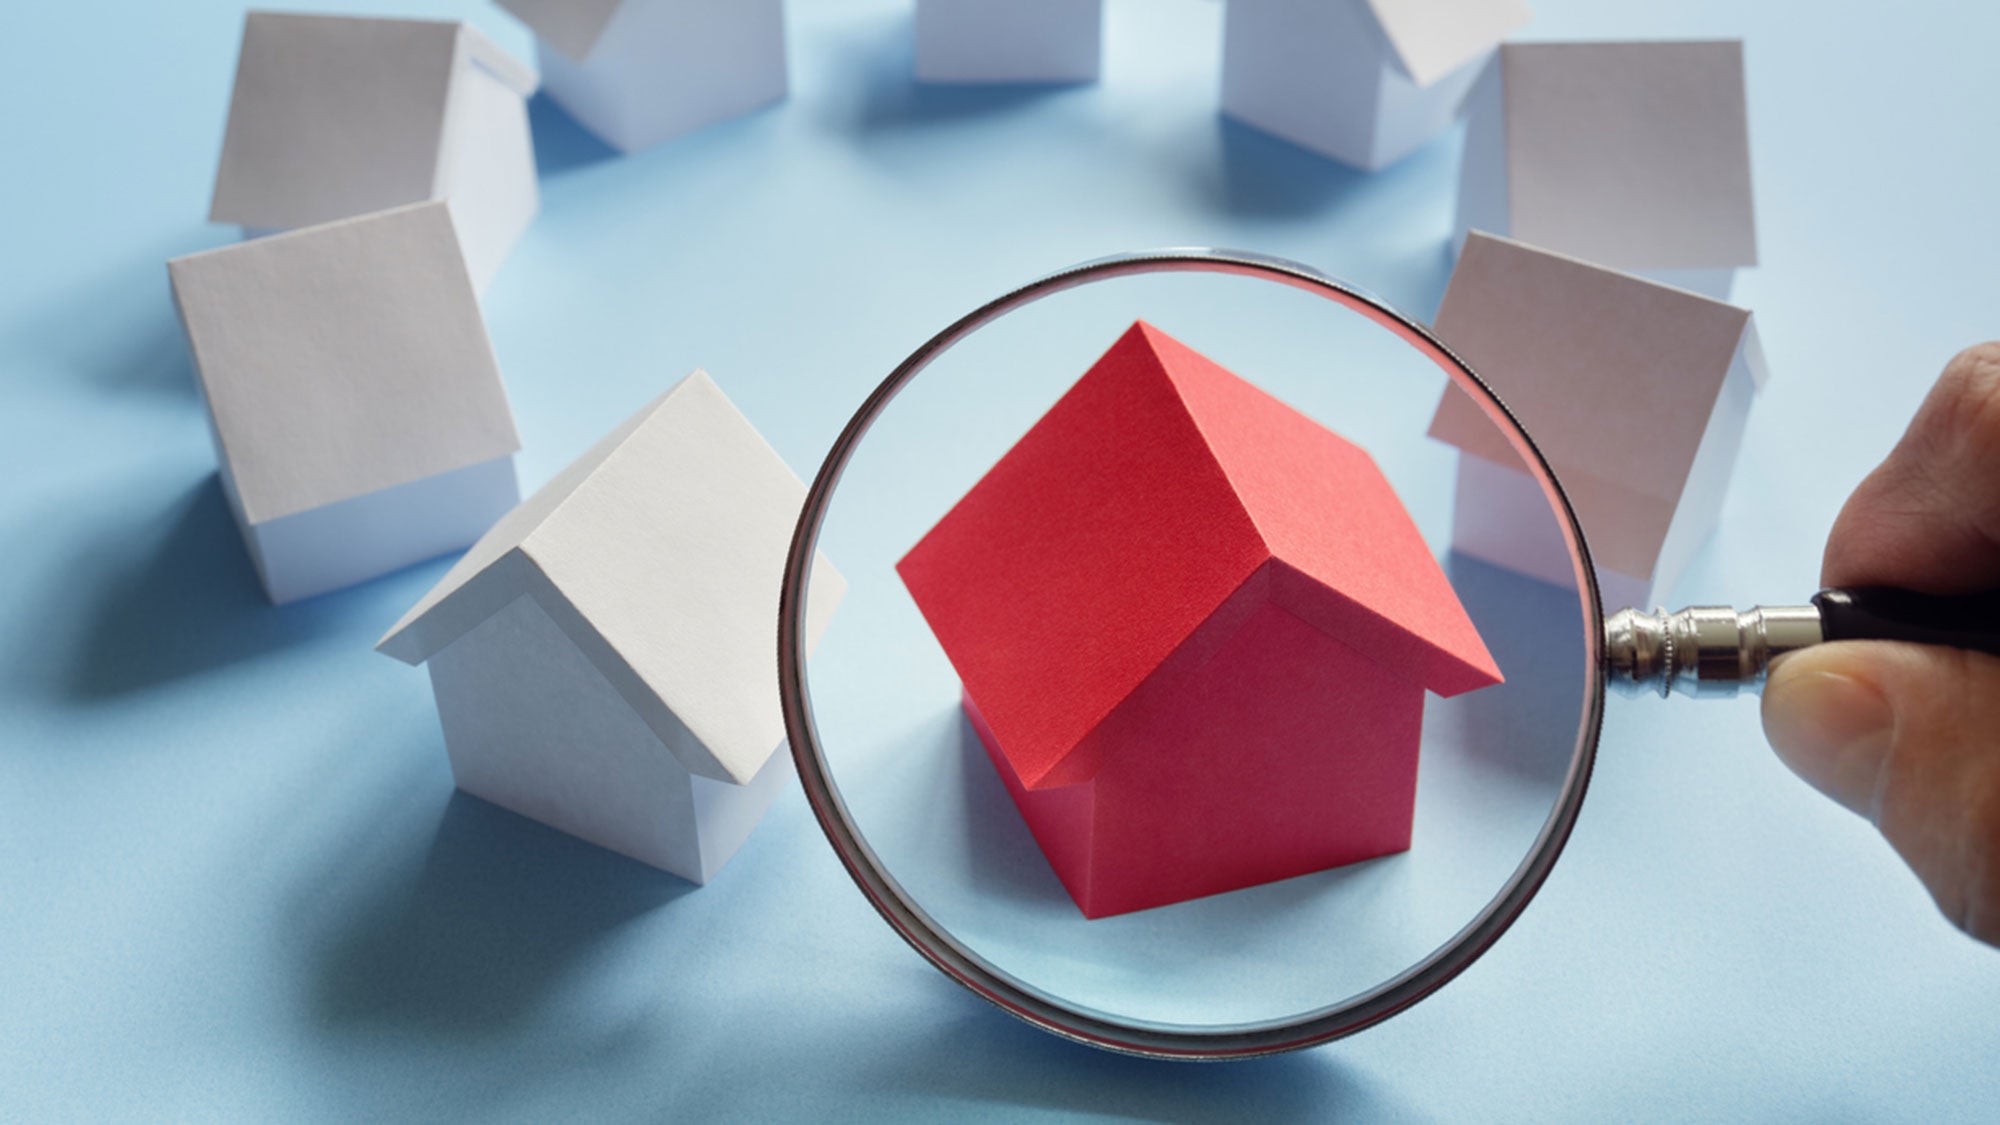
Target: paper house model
point(358, 416)
point(603, 659)
point(335, 116)
point(1194, 630)
point(993, 41)
point(1636, 393)
point(1631, 155)
point(637, 72)
point(1366, 82)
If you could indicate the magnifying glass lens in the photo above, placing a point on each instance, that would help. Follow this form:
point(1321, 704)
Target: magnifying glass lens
point(1160, 700)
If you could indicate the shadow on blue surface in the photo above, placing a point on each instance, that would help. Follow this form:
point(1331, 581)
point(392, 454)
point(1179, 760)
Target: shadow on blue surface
point(496, 914)
point(990, 1059)
point(561, 143)
point(1262, 176)
point(155, 359)
point(190, 603)
point(883, 60)
point(117, 331)
point(1002, 852)
point(1535, 632)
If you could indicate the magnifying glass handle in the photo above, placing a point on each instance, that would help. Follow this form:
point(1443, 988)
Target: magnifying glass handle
point(1716, 652)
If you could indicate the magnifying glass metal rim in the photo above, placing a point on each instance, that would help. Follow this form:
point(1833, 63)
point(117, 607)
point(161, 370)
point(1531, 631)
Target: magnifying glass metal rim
point(1021, 999)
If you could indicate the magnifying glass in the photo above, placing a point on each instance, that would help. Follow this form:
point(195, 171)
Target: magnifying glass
point(1159, 711)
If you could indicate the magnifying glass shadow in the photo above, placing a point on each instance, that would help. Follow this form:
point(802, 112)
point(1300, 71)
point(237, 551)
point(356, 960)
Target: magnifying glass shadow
point(978, 1056)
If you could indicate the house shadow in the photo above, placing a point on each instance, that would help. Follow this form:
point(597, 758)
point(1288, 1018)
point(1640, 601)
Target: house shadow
point(562, 144)
point(978, 1056)
point(153, 359)
point(116, 331)
point(882, 59)
point(1253, 174)
point(1534, 630)
point(497, 912)
point(189, 603)
point(1004, 856)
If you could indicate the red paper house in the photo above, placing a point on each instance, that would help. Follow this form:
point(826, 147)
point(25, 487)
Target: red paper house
point(1194, 629)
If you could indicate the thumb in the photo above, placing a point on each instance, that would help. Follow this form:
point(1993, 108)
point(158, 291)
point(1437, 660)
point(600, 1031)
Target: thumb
point(1909, 737)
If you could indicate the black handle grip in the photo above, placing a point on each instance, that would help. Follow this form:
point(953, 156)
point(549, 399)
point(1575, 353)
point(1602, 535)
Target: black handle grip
point(1885, 613)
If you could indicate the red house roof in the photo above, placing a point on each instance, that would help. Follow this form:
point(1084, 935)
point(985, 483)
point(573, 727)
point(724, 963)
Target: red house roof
point(1147, 495)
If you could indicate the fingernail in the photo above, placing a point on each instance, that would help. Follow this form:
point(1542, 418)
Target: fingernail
point(1832, 730)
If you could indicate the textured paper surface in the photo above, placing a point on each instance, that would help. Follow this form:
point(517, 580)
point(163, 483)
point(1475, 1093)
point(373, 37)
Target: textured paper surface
point(531, 725)
point(1616, 378)
point(661, 68)
point(1329, 76)
point(343, 359)
point(659, 553)
point(1302, 747)
point(1635, 155)
point(1150, 596)
point(1009, 40)
point(334, 116)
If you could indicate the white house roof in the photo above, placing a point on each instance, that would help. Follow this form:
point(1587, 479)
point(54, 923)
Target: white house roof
point(570, 26)
point(335, 116)
point(1432, 38)
point(342, 359)
point(1636, 155)
point(659, 553)
point(1613, 376)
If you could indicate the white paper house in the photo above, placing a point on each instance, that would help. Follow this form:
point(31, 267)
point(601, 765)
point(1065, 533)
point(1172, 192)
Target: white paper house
point(637, 72)
point(1366, 82)
point(334, 116)
point(358, 415)
point(992, 41)
point(1635, 392)
point(604, 658)
point(1631, 155)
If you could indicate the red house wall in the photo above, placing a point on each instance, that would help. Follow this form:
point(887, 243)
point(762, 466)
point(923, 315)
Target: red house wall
point(1275, 752)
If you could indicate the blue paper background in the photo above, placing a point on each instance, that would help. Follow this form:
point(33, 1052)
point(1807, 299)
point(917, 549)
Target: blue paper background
point(234, 882)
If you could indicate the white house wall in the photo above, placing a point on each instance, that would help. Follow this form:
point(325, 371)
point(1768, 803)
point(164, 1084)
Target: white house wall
point(1700, 505)
point(489, 170)
point(531, 726)
point(1482, 177)
point(1714, 283)
point(1501, 516)
point(340, 544)
point(662, 68)
point(1308, 71)
point(725, 814)
point(1409, 116)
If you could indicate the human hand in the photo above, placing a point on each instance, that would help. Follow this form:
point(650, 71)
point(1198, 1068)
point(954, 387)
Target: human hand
point(1909, 735)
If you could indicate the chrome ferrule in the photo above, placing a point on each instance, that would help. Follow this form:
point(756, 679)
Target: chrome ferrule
point(1704, 651)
